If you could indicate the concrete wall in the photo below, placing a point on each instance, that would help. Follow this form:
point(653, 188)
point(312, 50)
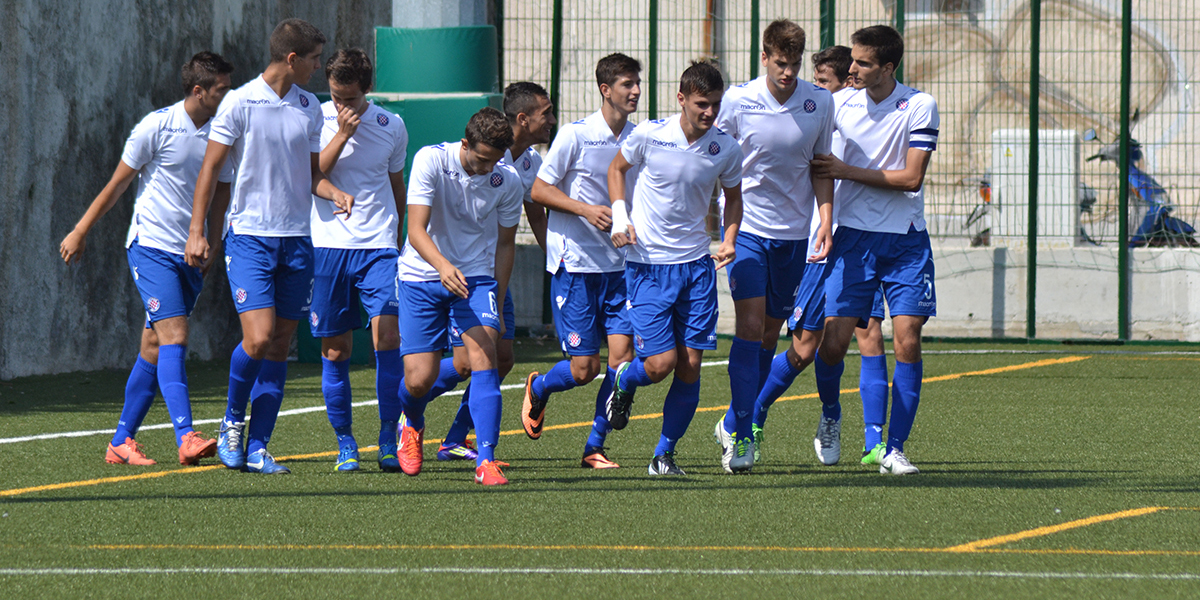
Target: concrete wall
point(79, 75)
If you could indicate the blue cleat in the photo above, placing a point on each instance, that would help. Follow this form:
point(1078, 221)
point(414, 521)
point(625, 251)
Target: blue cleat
point(347, 459)
point(262, 462)
point(452, 451)
point(229, 444)
point(388, 461)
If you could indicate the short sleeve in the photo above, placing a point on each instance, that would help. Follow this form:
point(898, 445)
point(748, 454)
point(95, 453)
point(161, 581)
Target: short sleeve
point(824, 142)
point(423, 179)
point(924, 125)
point(229, 124)
point(731, 174)
point(563, 153)
point(142, 143)
point(634, 148)
point(727, 118)
point(400, 149)
point(316, 120)
point(508, 210)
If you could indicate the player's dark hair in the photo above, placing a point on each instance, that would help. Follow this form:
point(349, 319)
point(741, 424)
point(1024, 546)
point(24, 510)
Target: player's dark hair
point(202, 70)
point(612, 67)
point(351, 65)
point(701, 78)
point(837, 58)
point(294, 35)
point(489, 126)
point(784, 38)
point(522, 97)
point(884, 42)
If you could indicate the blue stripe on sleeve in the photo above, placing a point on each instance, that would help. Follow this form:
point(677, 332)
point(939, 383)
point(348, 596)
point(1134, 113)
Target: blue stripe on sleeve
point(927, 131)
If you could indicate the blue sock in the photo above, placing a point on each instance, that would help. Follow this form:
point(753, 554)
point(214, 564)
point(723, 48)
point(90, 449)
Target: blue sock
point(448, 379)
point(678, 409)
point(462, 422)
point(829, 383)
point(264, 409)
point(243, 371)
point(906, 395)
point(873, 387)
point(635, 376)
point(743, 384)
point(485, 410)
point(765, 357)
point(600, 426)
point(139, 394)
point(414, 407)
point(781, 376)
point(389, 369)
point(172, 381)
point(335, 385)
point(557, 379)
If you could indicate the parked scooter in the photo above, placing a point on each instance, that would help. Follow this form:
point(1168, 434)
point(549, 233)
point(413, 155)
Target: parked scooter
point(983, 237)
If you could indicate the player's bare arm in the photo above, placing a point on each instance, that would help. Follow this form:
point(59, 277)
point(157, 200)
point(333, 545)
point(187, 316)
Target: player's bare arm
point(73, 245)
point(553, 198)
point(623, 233)
point(732, 218)
point(536, 215)
point(216, 223)
point(197, 251)
point(908, 179)
point(324, 188)
point(418, 236)
point(348, 122)
point(506, 253)
point(823, 188)
point(400, 196)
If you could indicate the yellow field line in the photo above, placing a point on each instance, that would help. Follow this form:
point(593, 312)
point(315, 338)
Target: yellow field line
point(104, 480)
point(1052, 529)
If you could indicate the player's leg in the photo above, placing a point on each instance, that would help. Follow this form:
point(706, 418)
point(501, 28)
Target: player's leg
point(748, 282)
point(615, 314)
point(140, 389)
point(652, 291)
point(377, 292)
point(454, 370)
point(172, 373)
point(873, 382)
point(333, 318)
point(476, 316)
point(335, 387)
point(424, 317)
point(679, 407)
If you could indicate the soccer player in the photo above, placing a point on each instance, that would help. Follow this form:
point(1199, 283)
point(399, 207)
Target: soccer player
point(669, 273)
point(781, 125)
point(531, 115)
point(889, 132)
point(164, 152)
point(588, 284)
point(271, 130)
point(363, 152)
point(464, 204)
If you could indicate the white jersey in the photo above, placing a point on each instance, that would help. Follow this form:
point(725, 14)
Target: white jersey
point(675, 186)
point(378, 148)
point(878, 136)
point(837, 148)
point(778, 141)
point(272, 141)
point(578, 166)
point(464, 211)
point(167, 150)
point(527, 168)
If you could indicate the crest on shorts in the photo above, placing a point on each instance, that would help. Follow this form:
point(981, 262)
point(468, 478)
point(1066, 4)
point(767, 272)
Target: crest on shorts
point(153, 305)
point(714, 148)
point(733, 284)
point(573, 339)
point(640, 342)
point(798, 313)
point(240, 295)
point(902, 104)
point(810, 106)
point(303, 101)
point(313, 319)
point(497, 179)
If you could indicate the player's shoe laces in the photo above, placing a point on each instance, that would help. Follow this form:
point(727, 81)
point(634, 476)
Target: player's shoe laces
point(664, 464)
point(261, 461)
point(875, 455)
point(533, 410)
point(743, 456)
point(453, 451)
point(347, 459)
point(229, 444)
point(828, 442)
point(128, 453)
point(489, 473)
point(595, 458)
point(412, 442)
point(389, 461)
point(619, 404)
point(759, 438)
point(726, 441)
point(194, 446)
point(896, 463)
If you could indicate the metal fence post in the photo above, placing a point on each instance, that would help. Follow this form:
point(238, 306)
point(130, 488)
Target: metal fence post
point(556, 34)
point(652, 62)
point(754, 45)
point(1123, 262)
point(828, 22)
point(899, 18)
point(1035, 51)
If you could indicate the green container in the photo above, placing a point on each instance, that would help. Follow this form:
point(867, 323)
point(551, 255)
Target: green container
point(441, 60)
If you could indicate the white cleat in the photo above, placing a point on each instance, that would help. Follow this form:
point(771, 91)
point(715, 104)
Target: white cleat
point(743, 456)
point(828, 442)
point(896, 463)
point(726, 441)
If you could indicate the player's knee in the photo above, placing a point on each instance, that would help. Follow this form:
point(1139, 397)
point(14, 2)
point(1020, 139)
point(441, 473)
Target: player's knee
point(388, 340)
point(504, 364)
point(335, 354)
point(750, 327)
point(585, 368)
point(659, 366)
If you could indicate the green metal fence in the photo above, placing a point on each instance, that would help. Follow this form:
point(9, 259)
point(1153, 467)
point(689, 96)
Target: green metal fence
point(1092, 65)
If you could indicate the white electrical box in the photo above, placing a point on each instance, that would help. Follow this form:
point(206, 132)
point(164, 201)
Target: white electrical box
point(1058, 187)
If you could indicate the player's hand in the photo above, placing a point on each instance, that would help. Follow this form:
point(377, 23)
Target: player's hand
point(828, 166)
point(726, 252)
point(344, 203)
point(625, 238)
point(454, 280)
point(599, 216)
point(501, 330)
point(72, 246)
point(196, 252)
point(822, 245)
point(348, 122)
point(214, 250)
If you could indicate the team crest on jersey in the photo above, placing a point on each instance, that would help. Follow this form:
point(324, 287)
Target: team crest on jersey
point(525, 164)
point(573, 339)
point(313, 319)
point(497, 179)
point(714, 148)
point(902, 104)
point(153, 305)
point(303, 101)
point(382, 119)
point(810, 106)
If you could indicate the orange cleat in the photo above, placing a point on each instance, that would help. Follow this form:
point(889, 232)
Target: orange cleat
point(412, 445)
point(489, 473)
point(194, 447)
point(596, 459)
point(128, 453)
point(532, 406)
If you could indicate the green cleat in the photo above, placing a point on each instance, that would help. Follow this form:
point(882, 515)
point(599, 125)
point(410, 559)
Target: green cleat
point(874, 455)
point(759, 437)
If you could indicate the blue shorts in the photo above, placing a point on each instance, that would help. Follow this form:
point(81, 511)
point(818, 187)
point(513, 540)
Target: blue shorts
point(588, 307)
point(862, 261)
point(809, 310)
point(672, 305)
point(428, 309)
point(510, 323)
point(266, 272)
point(768, 268)
point(346, 277)
point(167, 285)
